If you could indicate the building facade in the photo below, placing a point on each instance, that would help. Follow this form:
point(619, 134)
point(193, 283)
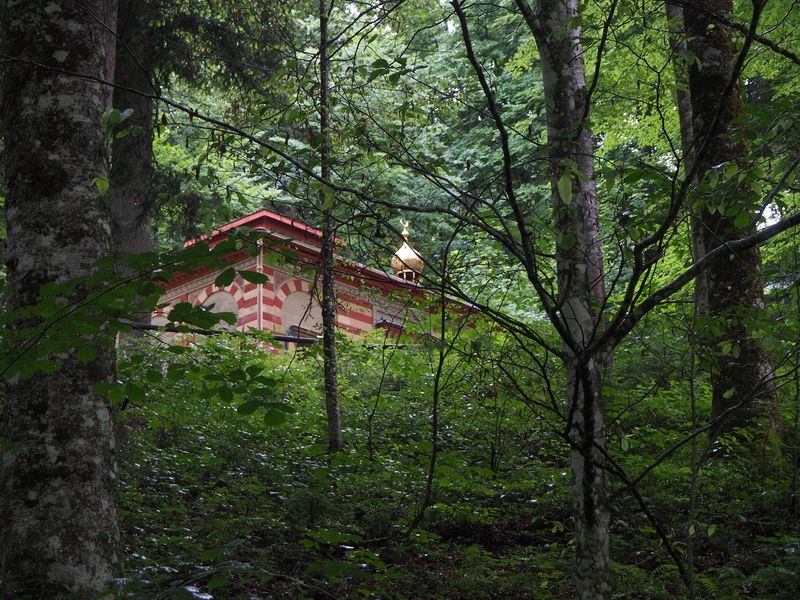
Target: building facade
point(289, 302)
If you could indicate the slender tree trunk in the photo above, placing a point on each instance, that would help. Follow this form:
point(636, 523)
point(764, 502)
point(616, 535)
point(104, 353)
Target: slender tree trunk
point(58, 529)
point(695, 460)
point(796, 418)
point(743, 369)
point(335, 441)
point(580, 277)
point(132, 155)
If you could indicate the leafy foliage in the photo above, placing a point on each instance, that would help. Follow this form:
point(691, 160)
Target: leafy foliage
point(225, 486)
point(218, 497)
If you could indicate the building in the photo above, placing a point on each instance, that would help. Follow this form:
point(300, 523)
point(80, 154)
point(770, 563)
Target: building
point(289, 302)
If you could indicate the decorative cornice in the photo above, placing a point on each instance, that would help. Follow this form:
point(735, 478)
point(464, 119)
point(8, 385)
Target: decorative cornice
point(201, 282)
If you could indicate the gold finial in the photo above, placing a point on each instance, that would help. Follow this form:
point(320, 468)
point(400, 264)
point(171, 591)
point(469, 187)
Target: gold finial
point(406, 262)
point(405, 225)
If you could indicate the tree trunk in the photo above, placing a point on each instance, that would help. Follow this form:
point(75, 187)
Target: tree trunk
point(335, 441)
point(580, 277)
point(684, 103)
point(132, 154)
point(58, 529)
point(742, 372)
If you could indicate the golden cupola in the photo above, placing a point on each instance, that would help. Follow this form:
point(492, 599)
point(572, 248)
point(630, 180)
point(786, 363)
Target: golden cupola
point(407, 262)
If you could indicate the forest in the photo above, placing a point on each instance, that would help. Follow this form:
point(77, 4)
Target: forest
point(601, 398)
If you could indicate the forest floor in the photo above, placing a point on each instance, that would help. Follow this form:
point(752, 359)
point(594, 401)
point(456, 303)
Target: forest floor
point(218, 504)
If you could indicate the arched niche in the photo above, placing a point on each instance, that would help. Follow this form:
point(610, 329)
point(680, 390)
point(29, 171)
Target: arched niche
point(223, 302)
point(301, 314)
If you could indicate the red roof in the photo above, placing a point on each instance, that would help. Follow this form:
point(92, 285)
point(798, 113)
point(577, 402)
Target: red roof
point(302, 237)
point(306, 240)
point(266, 220)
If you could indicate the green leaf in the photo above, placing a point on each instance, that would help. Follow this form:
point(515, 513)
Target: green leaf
point(113, 118)
point(691, 59)
point(574, 22)
point(254, 370)
point(329, 195)
point(292, 115)
point(742, 220)
point(273, 418)
point(274, 259)
point(134, 392)
point(375, 73)
point(282, 406)
point(225, 393)
point(337, 568)
point(265, 392)
point(249, 407)
point(176, 371)
point(254, 277)
point(225, 278)
point(228, 317)
point(153, 376)
point(103, 388)
point(86, 354)
point(565, 187)
point(116, 395)
point(101, 183)
point(216, 583)
point(144, 260)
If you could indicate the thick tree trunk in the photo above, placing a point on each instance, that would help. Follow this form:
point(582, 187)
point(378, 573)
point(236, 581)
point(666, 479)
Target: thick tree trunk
point(580, 277)
point(58, 530)
point(684, 103)
point(132, 155)
point(742, 373)
point(335, 441)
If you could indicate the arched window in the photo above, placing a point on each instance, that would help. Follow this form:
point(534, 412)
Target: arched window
point(223, 302)
point(301, 314)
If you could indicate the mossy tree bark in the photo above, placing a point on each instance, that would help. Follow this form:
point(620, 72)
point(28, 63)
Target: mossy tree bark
point(58, 529)
point(741, 375)
point(684, 104)
point(335, 439)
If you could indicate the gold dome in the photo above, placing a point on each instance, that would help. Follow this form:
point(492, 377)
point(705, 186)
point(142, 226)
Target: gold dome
point(407, 262)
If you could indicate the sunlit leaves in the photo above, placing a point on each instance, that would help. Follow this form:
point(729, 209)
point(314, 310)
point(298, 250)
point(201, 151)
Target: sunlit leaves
point(101, 183)
point(565, 187)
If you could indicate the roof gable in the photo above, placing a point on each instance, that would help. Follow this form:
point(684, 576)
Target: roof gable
point(264, 220)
